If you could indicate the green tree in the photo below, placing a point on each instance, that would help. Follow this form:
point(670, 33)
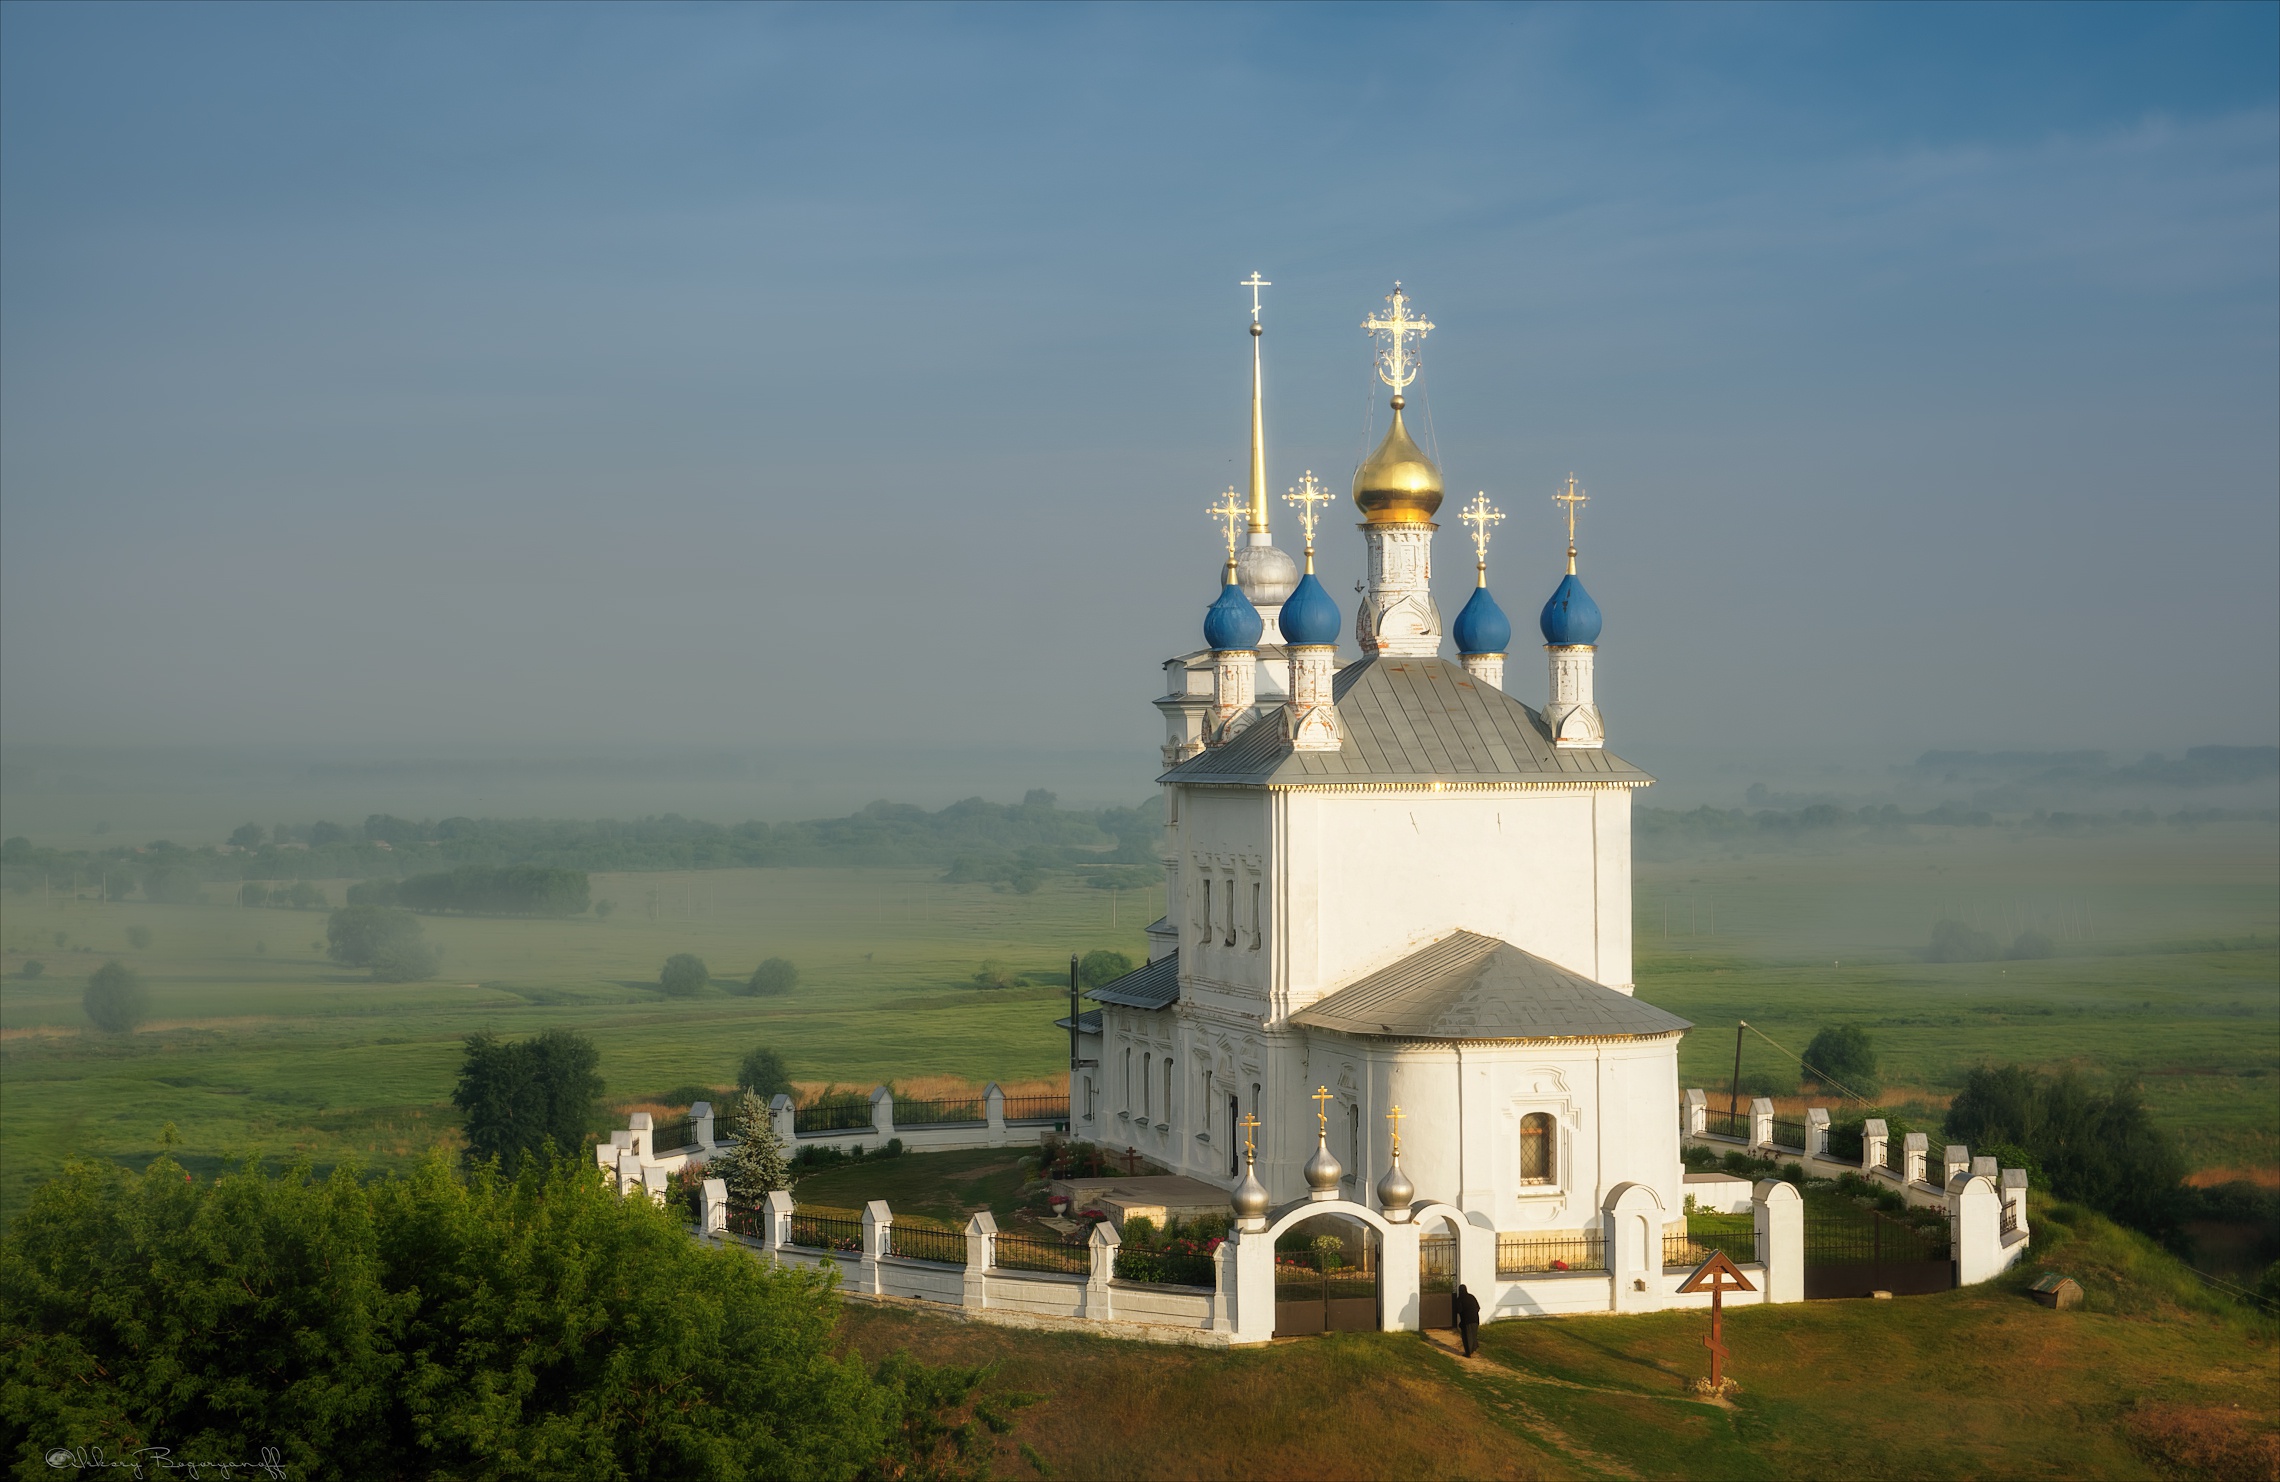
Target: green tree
point(2099, 1147)
point(359, 936)
point(775, 975)
point(994, 974)
point(1842, 1059)
point(763, 1073)
point(172, 885)
point(1952, 941)
point(602, 909)
point(253, 893)
point(432, 1324)
point(755, 1163)
point(138, 937)
point(1102, 967)
point(116, 998)
point(407, 960)
point(518, 1096)
point(2030, 945)
point(683, 975)
point(305, 896)
point(32, 968)
point(248, 836)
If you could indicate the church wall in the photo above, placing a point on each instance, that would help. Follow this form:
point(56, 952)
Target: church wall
point(1371, 877)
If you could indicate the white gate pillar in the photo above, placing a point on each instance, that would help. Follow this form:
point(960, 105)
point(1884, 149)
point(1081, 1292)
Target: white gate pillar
point(1778, 1211)
point(1633, 1218)
point(981, 1255)
point(1105, 1242)
point(1254, 1262)
point(1398, 1297)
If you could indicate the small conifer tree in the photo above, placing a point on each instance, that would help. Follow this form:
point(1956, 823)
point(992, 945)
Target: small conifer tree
point(755, 1164)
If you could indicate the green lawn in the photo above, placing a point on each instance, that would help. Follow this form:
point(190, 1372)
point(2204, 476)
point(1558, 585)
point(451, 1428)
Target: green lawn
point(258, 1045)
point(939, 1186)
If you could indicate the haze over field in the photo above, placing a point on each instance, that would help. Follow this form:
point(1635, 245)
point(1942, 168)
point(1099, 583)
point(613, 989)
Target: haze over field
point(427, 379)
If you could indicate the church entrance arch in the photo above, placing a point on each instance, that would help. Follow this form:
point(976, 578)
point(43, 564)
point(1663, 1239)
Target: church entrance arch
point(1326, 1276)
point(1437, 1271)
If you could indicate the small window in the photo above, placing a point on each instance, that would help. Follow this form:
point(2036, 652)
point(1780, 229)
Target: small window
point(1536, 1163)
point(1144, 1068)
point(1207, 908)
point(1353, 1140)
point(1128, 1080)
point(1256, 935)
point(1167, 1089)
point(1230, 913)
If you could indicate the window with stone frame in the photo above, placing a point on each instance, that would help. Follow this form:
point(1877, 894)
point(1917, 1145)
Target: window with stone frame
point(1146, 1065)
point(1538, 1160)
point(1230, 913)
point(1258, 934)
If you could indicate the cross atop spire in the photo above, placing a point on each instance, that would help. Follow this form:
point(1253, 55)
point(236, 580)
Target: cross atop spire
point(1395, 1117)
point(1322, 1108)
point(1228, 512)
point(1397, 363)
point(1480, 514)
point(1573, 498)
point(1250, 1126)
point(1254, 283)
point(1305, 496)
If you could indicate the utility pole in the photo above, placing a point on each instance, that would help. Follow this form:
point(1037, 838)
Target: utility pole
point(1734, 1093)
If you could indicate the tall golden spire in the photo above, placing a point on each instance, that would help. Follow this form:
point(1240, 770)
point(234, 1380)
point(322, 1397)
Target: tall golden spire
point(1572, 497)
point(1258, 413)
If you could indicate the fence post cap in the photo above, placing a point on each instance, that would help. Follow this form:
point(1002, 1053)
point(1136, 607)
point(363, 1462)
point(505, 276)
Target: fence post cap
point(621, 1139)
point(1105, 1233)
point(1774, 1191)
point(1696, 1098)
point(779, 1102)
point(700, 1109)
point(2014, 1178)
point(881, 1093)
point(982, 1223)
point(1956, 1152)
point(780, 1200)
point(1817, 1116)
point(877, 1213)
point(993, 1089)
point(1874, 1127)
point(641, 1122)
point(1916, 1140)
point(1983, 1166)
point(1760, 1104)
point(715, 1188)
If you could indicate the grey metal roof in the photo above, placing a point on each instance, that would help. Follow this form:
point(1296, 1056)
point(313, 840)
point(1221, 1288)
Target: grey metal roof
point(1088, 1022)
point(1155, 986)
point(1410, 720)
point(1467, 986)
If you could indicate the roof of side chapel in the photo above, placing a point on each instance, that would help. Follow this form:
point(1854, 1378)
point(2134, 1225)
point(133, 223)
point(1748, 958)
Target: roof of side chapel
point(1411, 720)
point(1469, 986)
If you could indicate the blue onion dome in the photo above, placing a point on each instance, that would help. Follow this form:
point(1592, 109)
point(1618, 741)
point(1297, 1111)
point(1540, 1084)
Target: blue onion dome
point(1309, 616)
point(1232, 622)
point(1571, 616)
point(1482, 628)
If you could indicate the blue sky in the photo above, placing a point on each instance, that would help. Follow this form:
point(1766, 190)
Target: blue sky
point(428, 376)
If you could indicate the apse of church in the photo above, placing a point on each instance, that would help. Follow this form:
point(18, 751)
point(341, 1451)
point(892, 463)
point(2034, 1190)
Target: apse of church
point(1389, 882)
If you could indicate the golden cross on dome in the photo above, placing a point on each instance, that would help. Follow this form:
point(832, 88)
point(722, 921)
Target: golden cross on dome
point(1229, 512)
point(1480, 514)
point(1321, 1108)
point(1250, 1125)
point(1308, 494)
point(1397, 363)
point(1572, 497)
point(1254, 283)
point(1395, 1117)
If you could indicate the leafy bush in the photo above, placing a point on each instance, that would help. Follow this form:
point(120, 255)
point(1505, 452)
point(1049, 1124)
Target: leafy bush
point(1952, 941)
point(362, 936)
point(775, 975)
point(32, 968)
point(138, 937)
point(2029, 945)
point(1842, 1058)
point(431, 1325)
point(504, 890)
point(1102, 967)
point(764, 1073)
point(2100, 1148)
point(683, 975)
point(994, 974)
point(116, 998)
point(409, 960)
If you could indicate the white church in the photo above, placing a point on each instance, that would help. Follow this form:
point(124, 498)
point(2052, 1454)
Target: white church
point(1391, 881)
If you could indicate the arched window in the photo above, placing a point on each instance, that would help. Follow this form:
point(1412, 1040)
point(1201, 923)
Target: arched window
point(1144, 1068)
point(1536, 1161)
point(1128, 1082)
point(1231, 913)
point(1206, 908)
point(1167, 1090)
point(1257, 935)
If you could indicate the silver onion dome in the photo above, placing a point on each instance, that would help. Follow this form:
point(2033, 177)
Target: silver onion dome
point(1395, 1192)
point(1323, 1170)
point(1266, 573)
point(1250, 1198)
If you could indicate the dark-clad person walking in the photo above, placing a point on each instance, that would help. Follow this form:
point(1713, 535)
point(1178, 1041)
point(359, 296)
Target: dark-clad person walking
point(1468, 1319)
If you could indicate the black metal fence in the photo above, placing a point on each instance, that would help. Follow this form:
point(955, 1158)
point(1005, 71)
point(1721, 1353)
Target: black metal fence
point(1729, 1124)
point(2010, 1218)
point(827, 1229)
point(1028, 1253)
point(936, 1113)
point(1166, 1267)
point(1788, 1134)
point(1851, 1255)
point(1036, 1108)
point(1895, 1158)
point(679, 1134)
point(832, 1116)
point(1518, 1255)
point(744, 1219)
point(1685, 1252)
point(916, 1242)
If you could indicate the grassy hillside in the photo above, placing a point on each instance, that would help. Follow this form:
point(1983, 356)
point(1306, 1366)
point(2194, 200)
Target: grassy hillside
point(2149, 1380)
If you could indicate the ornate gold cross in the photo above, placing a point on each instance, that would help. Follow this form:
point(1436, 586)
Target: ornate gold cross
point(1254, 283)
point(1397, 363)
point(1308, 494)
point(1229, 512)
point(1322, 1108)
point(1480, 514)
point(1250, 1126)
point(1395, 1117)
point(1572, 497)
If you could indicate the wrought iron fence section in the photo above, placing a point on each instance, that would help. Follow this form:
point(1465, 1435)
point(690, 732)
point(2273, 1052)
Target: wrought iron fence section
point(2010, 1218)
point(917, 1242)
point(1693, 1248)
point(1036, 1108)
point(1166, 1267)
point(831, 1116)
point(1518, 1255)
point(680, 1134)
point(1028, 1253)
point(1735, 1125)
point(1788, 1134)
point(1895, 1158)
point(745, 1219)
point(935, 1113)
point(827, 1229)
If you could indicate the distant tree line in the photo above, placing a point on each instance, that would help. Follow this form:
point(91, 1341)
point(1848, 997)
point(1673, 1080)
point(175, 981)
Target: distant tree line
point(483, 890)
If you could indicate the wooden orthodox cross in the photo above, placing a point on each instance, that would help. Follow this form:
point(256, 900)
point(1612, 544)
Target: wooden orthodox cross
point(1717, 1276)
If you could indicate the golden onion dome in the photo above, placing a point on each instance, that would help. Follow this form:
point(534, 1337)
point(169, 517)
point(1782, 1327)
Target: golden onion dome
point(1398, 485)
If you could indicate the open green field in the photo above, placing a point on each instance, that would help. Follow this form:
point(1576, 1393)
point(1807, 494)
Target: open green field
point(2143, 1382)
point(2169, 973)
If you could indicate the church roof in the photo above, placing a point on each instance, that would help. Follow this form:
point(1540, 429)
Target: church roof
point(1088, 1022)
point(1467, 986)
point(1411, 720)
point(1156, 986)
